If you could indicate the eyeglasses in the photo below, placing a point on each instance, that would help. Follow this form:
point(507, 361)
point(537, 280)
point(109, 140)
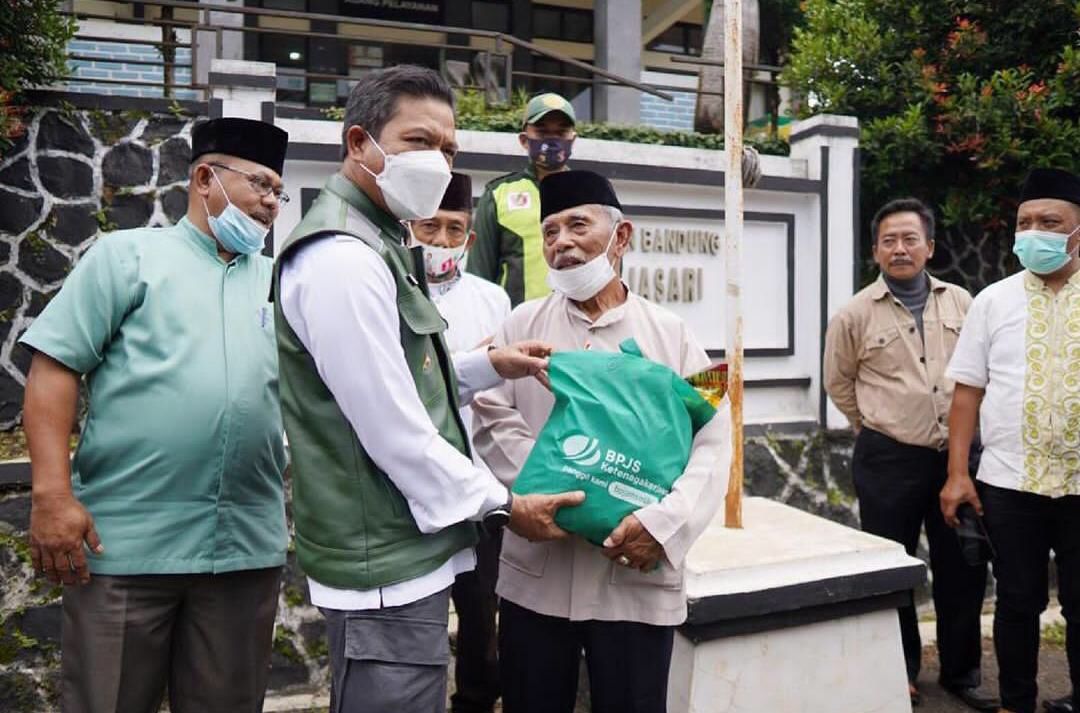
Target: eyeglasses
point(260, 184)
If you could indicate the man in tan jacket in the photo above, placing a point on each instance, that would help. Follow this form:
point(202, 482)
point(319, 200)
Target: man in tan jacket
point(620, 603)
point(885, 358)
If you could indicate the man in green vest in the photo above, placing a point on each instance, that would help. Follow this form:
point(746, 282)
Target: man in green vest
point(168, 527)
point(386, 498)
point(509, 248)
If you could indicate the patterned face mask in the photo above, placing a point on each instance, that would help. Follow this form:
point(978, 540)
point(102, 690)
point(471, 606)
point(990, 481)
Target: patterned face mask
point(550, 153)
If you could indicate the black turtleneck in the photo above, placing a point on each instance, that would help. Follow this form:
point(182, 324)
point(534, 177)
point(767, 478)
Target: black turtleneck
point(913, 294)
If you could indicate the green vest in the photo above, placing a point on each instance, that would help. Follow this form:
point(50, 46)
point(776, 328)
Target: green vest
point(354, 529)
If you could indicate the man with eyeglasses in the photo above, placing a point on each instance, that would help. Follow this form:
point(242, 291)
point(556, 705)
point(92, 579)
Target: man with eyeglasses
point(509, 249)
point(168, 527)
point(474, 309)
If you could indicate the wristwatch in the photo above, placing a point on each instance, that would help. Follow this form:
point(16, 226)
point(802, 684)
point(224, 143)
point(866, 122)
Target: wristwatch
point(496, 519)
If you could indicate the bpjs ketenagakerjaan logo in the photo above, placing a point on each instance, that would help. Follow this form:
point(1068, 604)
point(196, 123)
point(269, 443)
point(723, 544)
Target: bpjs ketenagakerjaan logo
point(581, 450)
point(584, 451)
point(618, 473)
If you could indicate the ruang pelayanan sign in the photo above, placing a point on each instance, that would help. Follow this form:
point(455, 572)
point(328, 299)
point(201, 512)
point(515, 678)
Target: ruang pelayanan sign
point(678, 263)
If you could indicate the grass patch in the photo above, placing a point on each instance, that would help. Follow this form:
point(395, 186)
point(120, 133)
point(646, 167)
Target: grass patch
point(13, 444)
point(284, 646)
point(293, 596)
point(1054, 635)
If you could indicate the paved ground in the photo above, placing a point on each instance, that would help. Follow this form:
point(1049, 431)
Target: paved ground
point(1053, 678)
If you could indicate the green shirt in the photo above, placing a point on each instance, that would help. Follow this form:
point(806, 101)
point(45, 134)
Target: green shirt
point(181, 458)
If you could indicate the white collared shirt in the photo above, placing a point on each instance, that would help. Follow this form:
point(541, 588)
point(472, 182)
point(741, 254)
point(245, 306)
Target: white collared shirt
point(474, 309)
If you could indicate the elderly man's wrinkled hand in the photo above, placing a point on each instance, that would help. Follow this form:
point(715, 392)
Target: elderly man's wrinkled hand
point(533, 516)
point(59, 525)
point(631, 545)
point(521, 359)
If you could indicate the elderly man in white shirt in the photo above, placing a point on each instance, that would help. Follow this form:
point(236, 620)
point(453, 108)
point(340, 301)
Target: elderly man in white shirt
point(620, 603)
point(474, 309)
point(1017, 369)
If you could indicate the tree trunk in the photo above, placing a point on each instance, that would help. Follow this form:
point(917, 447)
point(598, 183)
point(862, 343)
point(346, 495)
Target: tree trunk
point(709, 112)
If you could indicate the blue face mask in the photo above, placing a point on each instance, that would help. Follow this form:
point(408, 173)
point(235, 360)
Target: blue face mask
point(237, 231)
point(1041, 251)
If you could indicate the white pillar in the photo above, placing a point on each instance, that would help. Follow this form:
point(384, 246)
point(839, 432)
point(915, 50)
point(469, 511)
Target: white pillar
point(617, 26)
point(206, 42)
point(245, 89)
point(830, 146)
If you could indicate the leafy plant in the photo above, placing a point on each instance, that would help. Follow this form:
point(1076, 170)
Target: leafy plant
point(958, 100)
point(33, 38)
point(472, 115)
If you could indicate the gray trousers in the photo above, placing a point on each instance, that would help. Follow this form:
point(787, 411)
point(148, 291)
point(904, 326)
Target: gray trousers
point(207, 637)
point(390, 660)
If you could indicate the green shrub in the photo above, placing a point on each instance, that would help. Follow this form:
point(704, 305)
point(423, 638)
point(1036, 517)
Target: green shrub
point(957, 99)
point(33, 39)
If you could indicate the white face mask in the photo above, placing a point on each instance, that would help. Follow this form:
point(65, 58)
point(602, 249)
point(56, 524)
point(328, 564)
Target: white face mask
point(584, 281)
point(440, 262)
point(412, 182)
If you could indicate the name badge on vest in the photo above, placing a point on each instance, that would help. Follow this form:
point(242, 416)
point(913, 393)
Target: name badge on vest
point(521, 200)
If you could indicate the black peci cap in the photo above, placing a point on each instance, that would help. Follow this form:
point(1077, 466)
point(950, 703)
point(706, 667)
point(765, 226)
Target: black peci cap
point(569, 189)
point(251, 140)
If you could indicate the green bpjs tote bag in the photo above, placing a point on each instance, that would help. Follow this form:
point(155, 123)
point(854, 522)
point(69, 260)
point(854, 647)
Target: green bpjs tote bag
point(620, 430)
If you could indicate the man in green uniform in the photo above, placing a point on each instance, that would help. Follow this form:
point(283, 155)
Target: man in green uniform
point(386, 496)
point(176, 486)
point(509, 249)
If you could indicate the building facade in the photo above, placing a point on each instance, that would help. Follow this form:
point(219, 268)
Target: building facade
point(321, 46)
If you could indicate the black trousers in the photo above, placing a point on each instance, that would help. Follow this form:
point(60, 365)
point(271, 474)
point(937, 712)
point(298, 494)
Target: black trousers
point(898, 488)
point(539, 655)
point(1024, 528)
point(476, 658)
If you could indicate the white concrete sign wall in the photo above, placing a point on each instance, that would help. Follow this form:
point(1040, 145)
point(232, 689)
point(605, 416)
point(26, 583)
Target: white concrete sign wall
point(798, 247)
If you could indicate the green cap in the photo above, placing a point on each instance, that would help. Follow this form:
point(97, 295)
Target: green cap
point(543, 104)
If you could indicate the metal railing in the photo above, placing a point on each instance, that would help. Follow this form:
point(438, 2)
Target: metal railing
point(771, 84)
point(493, 64)
point(504, 44)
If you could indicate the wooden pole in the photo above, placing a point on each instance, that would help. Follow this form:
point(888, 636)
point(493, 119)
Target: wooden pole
point(733, 229)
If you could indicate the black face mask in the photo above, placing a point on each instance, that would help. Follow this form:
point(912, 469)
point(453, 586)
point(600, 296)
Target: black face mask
point(550, 154)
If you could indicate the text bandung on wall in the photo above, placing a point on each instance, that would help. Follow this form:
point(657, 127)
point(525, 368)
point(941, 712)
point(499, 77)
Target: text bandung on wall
point(679, 263)
point(671, 284)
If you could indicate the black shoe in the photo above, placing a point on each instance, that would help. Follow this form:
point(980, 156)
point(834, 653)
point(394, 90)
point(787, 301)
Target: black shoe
point(1060, 705)
point(975, 698)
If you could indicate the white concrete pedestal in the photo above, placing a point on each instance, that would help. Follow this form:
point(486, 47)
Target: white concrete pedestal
point(792, 614)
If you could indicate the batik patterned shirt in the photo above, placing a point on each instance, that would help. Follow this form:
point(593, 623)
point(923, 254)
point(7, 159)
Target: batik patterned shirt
point(1021, 344)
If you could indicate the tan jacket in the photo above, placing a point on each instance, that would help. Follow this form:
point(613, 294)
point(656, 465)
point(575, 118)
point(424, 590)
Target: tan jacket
point(880, 374)
point(571, 578)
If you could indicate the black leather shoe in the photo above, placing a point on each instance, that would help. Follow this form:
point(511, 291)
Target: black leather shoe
point(975, 698)
point(1060, 705)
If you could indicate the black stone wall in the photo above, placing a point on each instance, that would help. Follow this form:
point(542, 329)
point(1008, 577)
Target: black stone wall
point(74, 174)
point(30, 619)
